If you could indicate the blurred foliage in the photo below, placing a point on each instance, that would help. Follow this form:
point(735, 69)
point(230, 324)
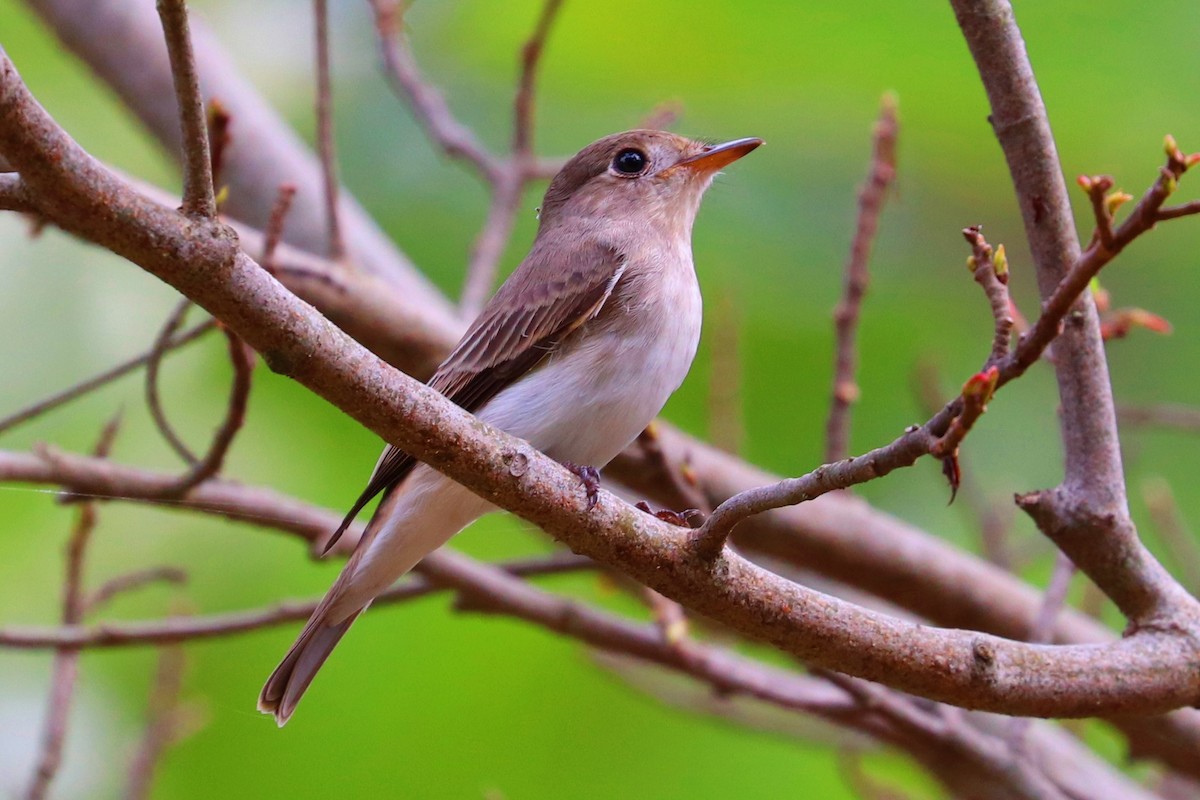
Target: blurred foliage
point(423, 702)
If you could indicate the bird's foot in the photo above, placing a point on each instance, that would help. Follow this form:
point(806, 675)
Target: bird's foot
point(590, 478)
point(688, 518)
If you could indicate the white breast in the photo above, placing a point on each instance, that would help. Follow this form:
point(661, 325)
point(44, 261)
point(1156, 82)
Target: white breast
point(592, 399)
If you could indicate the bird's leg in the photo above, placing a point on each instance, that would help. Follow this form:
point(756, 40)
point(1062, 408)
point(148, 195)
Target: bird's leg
point(590, 478)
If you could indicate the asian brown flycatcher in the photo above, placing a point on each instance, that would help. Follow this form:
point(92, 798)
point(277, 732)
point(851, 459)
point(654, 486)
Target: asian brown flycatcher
point(576, 353)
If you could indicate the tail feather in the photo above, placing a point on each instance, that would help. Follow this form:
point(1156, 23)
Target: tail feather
point(292, 677)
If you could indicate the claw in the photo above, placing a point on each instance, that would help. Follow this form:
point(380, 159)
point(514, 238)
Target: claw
point(590, 478)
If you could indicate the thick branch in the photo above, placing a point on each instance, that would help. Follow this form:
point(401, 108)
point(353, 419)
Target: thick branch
point(1144, 673)
point(1087, 516)
point(266, 151)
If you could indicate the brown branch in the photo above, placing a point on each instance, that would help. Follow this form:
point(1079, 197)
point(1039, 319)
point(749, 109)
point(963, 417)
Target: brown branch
point(507, 191)
point(1144, 672)
point(1087, 516)
point(153, 398)
point(274, 232)
point(531, 55)
point(198, 198)
point(990, 270)
point(426, 102)
point(219, 138)
point(507, 180)
point(267, 151)
point(242, 359)
point(187, 628)
point(984, 596)
point(870, 204)
point(132, 581)
point(97, 381)
point(325, 145)
point(164, 724)
point(65, 670)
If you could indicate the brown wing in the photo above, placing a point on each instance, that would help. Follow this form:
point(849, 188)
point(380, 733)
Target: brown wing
point(549, 296)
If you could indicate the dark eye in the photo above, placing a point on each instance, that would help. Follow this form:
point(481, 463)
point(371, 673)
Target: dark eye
point(629, 162)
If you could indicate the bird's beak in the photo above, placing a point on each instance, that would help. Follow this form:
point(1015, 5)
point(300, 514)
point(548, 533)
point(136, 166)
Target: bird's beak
point(713, 158)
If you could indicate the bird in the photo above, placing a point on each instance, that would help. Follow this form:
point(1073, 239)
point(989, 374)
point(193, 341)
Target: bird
point(576, 353)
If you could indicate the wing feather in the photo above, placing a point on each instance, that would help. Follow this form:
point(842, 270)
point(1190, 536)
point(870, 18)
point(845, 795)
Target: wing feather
point(548, 297)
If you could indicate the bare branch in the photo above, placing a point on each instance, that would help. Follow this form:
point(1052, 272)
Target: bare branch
point(531, 55)
point(507, 190)
point(132, 581)
point(990, 270)
point(266, 153)
point(242, 359)
point(198, 198)
point(870, 203)
point(426, 102)
point(163, 727)
point(274, 232)
point(325, 145)
point(153, 398)
point(104, 378)
point(65, 670)
point(187, 628)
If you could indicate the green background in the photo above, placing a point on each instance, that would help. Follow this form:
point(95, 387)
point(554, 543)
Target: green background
point(421, 701)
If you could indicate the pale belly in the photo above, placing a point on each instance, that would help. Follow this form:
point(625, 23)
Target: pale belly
point(590, 401)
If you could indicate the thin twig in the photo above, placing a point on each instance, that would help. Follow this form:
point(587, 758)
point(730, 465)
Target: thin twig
point(242, 359)
point(325, 143)
point(274, 232)
point(508, 180)
point(990, 270)
point(132, 581)
point(153, 399)
point(164, 725)
point(104, 378)
point(198, 197)
point(507, 191)
point(65, 670)
point(945, 430)
point(219, 139)
point(531, 55)
point(845, 316)
point(176, 629)
point(426, 102)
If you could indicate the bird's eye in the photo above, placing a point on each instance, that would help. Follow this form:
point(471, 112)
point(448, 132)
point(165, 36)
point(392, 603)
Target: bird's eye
point(629, 162)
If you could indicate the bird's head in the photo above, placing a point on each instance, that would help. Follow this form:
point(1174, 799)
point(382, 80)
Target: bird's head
point(640, 177)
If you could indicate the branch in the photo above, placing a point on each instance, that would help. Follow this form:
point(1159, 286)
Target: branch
point(104, 378)
point(187, 628)
point(325, 146)
point(153, 398)
point(198, 198)
point(204, 468)
point(65, 670)
point(845, 316)
point(266, 153)
point(426, 102)
point(921, 566)
point(531, 55)
point(1180, 417)
point(1087, 516)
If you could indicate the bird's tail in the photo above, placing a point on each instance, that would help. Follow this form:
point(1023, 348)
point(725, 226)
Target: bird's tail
point(291, 678)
